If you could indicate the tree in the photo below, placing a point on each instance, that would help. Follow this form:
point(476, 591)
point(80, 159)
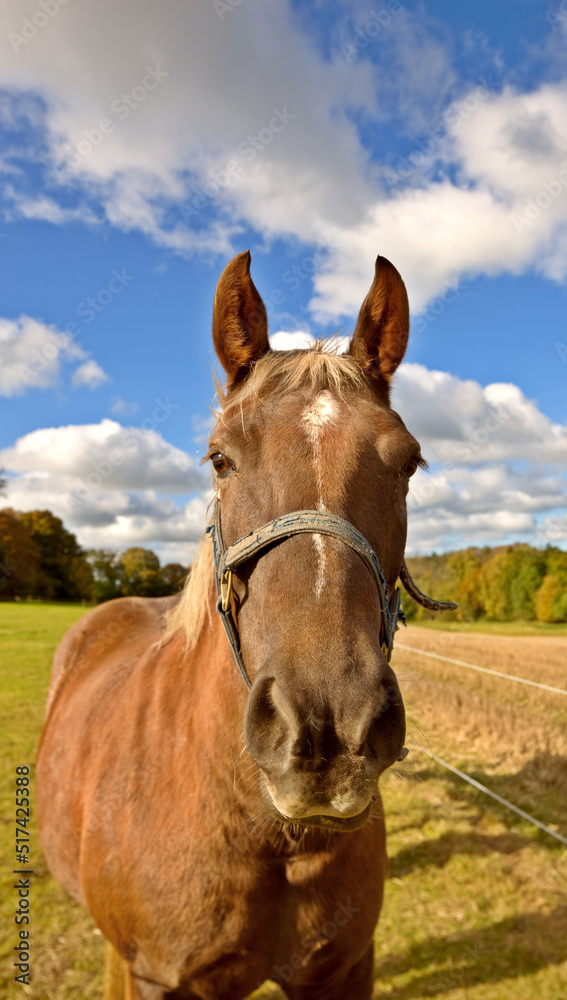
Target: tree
point(141, 573)
point(551, 598)
point(500, 583)
point(465, 568)
point(19, 557)
point(64, 573)
point(173, 575)
point(107, 570)
point(546, 597)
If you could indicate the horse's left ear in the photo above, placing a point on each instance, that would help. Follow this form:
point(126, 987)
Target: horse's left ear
point(240, 323)
point(382, 330)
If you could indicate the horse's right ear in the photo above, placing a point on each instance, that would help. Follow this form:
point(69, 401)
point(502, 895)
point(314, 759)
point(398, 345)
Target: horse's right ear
point(240, 323)
point(382, 330)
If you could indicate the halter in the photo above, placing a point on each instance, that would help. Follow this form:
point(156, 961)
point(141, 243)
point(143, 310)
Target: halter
point(227, 560)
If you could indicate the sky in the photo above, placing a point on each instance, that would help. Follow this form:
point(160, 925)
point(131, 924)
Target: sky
point(143, 145)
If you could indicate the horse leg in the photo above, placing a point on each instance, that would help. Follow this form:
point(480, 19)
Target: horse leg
point(114, 975)
point(120, 984)
point(356, 985)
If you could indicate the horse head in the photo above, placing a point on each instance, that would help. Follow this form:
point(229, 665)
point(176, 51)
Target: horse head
point(312, 431)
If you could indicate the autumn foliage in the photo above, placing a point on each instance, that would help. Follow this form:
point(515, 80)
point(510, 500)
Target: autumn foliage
point(512, 583)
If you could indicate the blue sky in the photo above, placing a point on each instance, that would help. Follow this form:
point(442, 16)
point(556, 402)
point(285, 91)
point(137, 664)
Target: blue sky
point(144, 145)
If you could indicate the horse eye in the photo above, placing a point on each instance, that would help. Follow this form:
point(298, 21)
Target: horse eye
point(221, 463)
point(411, 467)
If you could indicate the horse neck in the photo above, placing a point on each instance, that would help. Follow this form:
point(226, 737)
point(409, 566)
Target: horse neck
point(217, 695)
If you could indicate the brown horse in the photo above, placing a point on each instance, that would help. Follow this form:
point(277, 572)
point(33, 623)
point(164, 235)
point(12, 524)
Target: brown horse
point(222, 836)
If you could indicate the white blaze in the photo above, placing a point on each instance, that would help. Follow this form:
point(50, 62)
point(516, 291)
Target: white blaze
point(317, 418)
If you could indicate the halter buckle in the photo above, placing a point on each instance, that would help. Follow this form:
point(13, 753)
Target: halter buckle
point(226, 589)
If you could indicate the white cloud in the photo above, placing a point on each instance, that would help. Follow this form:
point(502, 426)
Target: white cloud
point(31, 353)
point(163, 128)
point(497, 463)
point(105, 457)
point(107, 483)
point(296, 340)
point(89, 374)
point(164, 143)
point(444, 530)
point(283, 340)
point(461, 423)
point(45, 208)
point(120, 405)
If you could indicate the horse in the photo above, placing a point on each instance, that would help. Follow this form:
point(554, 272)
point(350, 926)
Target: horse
point(207, 775)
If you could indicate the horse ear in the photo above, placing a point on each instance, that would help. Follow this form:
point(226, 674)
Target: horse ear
point(382, 330)
point(240, 323)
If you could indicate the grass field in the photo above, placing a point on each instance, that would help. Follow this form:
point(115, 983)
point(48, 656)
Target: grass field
point(476, 900)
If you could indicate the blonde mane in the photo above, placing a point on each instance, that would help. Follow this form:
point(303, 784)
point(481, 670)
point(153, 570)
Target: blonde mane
point(276, 373)
point(280, 372)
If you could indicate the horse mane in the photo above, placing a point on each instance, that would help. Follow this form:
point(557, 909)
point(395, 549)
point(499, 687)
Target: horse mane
point(276, 373)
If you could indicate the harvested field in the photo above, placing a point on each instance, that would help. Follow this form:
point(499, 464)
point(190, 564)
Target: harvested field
point(540, 658)
point(518, 730)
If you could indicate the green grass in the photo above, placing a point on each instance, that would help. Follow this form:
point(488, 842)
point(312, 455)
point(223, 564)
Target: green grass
point(67, 954)
point(493, 628)
point(476, 899)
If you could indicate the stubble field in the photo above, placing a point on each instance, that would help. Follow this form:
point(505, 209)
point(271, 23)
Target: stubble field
point(476, 899)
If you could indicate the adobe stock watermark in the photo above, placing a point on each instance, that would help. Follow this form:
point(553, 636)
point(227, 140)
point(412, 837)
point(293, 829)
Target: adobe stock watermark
point(224, 7)
point(43, 358)
point(283, 974)
point(247, 151)
point(6, 570)
point(436, 307)
point(31, 26)
point(87, 309)
point(365, 33)
point(451, 121)
point(557, 16)
point(553, 530)
point(130, 441)
point(121, 108)
point(549, 192)
point(293, 277)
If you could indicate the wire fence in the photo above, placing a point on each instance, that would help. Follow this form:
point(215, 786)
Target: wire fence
point(467, 777)
point(483, 670)
point(493, 795)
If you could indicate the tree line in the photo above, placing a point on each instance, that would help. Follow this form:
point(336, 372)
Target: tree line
point(506, 583)
point(41, 559)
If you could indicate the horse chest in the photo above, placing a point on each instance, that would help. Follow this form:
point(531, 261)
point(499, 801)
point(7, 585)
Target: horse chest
point(277, 919)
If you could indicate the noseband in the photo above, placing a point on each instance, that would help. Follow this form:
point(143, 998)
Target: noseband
point(227, 560)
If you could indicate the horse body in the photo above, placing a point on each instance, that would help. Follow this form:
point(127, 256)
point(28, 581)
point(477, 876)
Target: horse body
point(220, 837)
point(176, 862)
